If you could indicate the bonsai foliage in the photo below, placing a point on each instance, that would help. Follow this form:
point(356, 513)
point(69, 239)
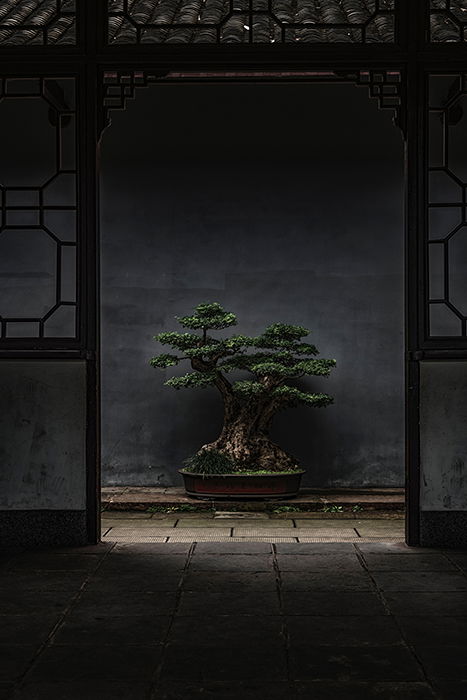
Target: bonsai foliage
point(272, 361)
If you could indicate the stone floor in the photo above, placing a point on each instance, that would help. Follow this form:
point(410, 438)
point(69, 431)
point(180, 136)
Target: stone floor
point(249, 526)
point(234, 620)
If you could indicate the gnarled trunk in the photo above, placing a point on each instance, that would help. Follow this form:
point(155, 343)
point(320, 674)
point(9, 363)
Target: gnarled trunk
point(244, 438)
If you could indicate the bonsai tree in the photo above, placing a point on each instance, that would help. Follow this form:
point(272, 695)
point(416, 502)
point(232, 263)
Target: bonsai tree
point(273, 360)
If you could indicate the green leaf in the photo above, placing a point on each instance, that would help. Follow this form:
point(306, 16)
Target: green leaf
point(274, 369)
point(281, 334)
point(192, 379)
point(164, 360)
point(248, 388)
point(291, 396)
point(208, 316)
point(181, 341)
point(204, 350)
point(315, 367)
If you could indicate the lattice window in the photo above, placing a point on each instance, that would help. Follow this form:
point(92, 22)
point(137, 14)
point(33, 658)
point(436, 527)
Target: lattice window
point(38, 208)
point(251, 21)
point(39, 22)
point(448, 20)
point(447, 205)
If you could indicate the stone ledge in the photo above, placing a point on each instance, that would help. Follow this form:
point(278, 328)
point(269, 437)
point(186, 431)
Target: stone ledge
point(140, 498)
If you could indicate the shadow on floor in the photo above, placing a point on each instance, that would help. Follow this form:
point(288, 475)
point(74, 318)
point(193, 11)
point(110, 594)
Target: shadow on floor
point(234, 620)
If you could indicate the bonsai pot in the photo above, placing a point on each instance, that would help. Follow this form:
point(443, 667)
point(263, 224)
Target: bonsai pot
point(241, 485)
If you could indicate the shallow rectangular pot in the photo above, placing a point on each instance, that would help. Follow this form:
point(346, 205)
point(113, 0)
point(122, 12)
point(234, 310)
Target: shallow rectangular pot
point(241, 485)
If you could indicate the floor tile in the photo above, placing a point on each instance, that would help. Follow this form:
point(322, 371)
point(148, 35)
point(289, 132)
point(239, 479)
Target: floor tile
point(427, 603)
point(451, 690)
point(141, 524)
point(331, 603)
point(458, 559)
point(132, 581)
point(229, 580)
point(446, 662)
point(134, 539)
point(52, 562)
point(267, 539)
point(102, 630)
point(99, 549)
point(435, 631)
point(117, 663)
point(325, 581)
point(229, 547)
point(249, 631)
point(237, 522)
point(47, 581)
point(236, 602)
point(401, 562)
point(145, 564)
point(242, 662)
point(6, 690)
point(126, 603)
point(328, 524)
point(14, 661)
point(327, 690)
point(297, 532)
point(317, 562)
point(420, 581)
point(343, 631)
point(91, 690)
point(380, 523)
point(20, 602)
point(27, 629)
point(155, 549)
point(229, 690)
point(390, 548)
point(391, 663)
point(132, 532)
point(239, 562)
point(316, 548)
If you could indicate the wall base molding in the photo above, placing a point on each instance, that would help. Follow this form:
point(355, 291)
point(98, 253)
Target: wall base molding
point(443, 528)
point(42, 528)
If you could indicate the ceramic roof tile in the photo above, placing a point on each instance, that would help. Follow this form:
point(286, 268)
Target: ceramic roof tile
point(51, 21)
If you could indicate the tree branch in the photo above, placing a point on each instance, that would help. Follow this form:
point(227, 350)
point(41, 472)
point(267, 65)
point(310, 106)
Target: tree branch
point(221, 382)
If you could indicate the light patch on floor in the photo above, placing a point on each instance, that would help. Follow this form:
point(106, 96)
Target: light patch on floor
point(228, 526)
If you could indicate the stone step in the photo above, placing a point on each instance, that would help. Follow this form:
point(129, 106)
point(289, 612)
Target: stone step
point(327, 503)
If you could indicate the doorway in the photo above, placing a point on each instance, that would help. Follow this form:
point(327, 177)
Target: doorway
point(261, 196)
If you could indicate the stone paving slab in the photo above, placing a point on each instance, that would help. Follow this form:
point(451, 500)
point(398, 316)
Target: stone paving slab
point(297, 532)
point(145, 523)
point(338, 523)
point(167, 532)
point(238, 522)
point(211, 529)
point(210, 620)
point(216, 538)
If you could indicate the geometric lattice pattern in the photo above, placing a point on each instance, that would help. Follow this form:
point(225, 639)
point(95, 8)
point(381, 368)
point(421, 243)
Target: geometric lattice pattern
point(448, 20)
point(251, 21)
point(385, 86)
point(447, 205)
point(34, 22)
point(38, 209)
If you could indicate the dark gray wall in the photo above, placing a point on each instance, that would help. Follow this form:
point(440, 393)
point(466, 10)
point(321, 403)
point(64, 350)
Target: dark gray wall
point(443, 438)
point(284, 203)
point(42, 435)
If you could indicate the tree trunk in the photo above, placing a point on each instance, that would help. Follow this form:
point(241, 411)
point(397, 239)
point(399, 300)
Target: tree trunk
point(245, 439)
